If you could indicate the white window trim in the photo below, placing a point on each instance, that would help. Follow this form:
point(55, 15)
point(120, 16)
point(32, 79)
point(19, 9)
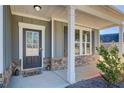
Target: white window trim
point(30, 26)
point(80, 42)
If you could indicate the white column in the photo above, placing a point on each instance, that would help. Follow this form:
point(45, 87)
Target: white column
point(52, 37)
point(97, 40)
point(120, 40)
point(71, 45)
point(1, 39)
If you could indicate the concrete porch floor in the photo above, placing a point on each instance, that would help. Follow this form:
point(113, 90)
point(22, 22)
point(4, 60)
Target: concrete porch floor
point(56, 79)
point(47, 79)
point(82, 73)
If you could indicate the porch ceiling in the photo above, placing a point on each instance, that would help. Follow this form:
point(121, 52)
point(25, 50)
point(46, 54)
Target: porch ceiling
point(83, 17)
point(105, 12)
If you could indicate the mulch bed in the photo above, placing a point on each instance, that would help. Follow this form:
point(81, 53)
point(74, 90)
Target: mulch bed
point(96, 82)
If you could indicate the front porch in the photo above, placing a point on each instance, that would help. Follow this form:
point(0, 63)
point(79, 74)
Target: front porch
point(53, 79)
point(65, 36)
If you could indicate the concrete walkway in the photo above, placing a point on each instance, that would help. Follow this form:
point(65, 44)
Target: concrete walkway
point(47, 79)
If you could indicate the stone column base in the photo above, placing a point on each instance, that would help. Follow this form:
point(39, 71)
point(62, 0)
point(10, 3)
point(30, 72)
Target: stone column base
point(1, 80)
point(7, 76)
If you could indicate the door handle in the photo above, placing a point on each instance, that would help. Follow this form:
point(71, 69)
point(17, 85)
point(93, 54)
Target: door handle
point(41, 48)
point(40, 52)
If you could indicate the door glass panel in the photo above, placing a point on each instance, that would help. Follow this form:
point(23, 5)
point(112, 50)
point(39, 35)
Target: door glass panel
point(32, 43)
point(36, 40)
point(35, 37)
point(29, 45)
point(77, 35)
point(29, 37)
point(77, 48)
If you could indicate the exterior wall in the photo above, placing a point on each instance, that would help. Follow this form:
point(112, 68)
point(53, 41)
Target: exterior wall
point(15, 34)
point(12, 37)
point(7, 37)
point(7, 41)
point(59, 39)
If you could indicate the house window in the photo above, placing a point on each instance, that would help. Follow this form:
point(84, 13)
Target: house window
point(77, 42)
point(82, 42)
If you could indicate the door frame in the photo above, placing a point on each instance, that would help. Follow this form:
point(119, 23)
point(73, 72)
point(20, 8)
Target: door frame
point(30, 26)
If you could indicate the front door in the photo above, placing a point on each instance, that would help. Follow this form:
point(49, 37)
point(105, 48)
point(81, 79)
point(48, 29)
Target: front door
point(32, 51)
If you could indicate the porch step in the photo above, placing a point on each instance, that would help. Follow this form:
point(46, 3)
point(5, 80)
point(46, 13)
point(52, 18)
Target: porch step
point(31, 72)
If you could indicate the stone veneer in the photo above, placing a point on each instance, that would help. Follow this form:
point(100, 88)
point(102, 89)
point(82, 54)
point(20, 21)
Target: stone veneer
point(46, 62)
point(61, 62)
point(5, 79)
point(7, 75)
point(1, 80)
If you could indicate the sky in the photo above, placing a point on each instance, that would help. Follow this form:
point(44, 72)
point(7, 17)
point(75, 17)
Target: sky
point(109, 30)
point(113, 29)
point(120, 7)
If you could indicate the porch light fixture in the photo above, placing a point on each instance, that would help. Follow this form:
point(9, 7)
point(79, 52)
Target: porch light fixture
point(37, 7)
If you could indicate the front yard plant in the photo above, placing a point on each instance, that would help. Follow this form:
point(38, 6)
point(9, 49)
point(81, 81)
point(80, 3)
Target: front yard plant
point(111, 65)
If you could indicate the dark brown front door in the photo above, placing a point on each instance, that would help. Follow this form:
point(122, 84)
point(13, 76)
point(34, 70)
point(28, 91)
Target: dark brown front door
point(32, 50)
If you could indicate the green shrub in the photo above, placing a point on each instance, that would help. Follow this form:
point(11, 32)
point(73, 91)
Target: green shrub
point(111, 66)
